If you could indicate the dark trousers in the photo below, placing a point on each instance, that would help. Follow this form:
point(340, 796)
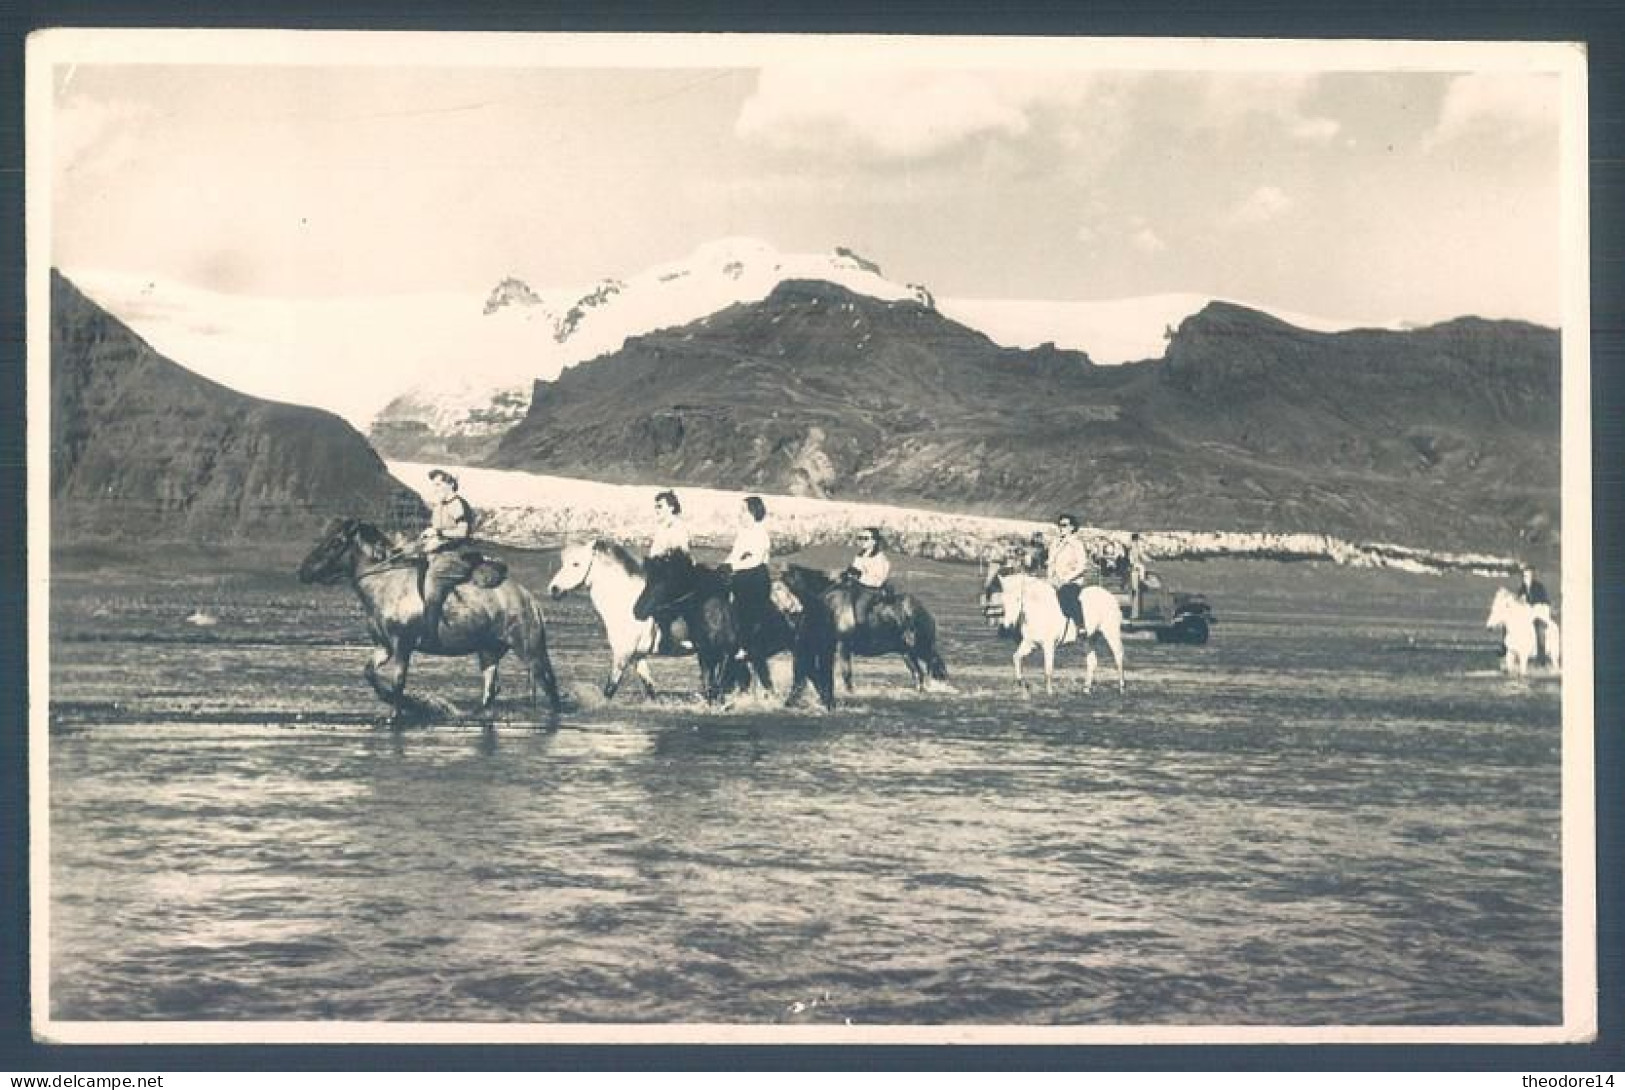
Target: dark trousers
point(1070, 596)
point(751, 590)
point(446, 570)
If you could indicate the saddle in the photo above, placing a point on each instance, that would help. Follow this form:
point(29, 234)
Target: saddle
point(464, 566)
point(488, 571)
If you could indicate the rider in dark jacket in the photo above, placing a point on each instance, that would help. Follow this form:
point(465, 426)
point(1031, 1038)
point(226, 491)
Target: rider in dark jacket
point(451, 526)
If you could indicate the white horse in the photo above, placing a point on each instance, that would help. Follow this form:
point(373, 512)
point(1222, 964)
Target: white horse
point(1516, 618)
point(614, 579)
point(1033, 609)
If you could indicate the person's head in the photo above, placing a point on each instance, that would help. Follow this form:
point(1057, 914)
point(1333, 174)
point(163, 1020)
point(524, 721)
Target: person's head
point(1528, 573)
point(667, 503)
point(444, 483)
point(755, 508)
point(1135, 536)
point(869, 539)
point(1066, 525)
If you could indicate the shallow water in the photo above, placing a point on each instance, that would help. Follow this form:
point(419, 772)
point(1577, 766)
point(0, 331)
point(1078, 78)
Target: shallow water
point(1326, 816)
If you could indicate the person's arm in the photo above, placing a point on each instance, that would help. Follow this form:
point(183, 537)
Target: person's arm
point(751, 548)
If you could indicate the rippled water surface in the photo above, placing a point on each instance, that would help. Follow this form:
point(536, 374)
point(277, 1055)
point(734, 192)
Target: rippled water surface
point(1334, 813)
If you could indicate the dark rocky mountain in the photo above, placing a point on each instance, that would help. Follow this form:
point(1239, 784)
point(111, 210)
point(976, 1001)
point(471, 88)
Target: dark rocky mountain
point(143, 448)
point(1444, 437)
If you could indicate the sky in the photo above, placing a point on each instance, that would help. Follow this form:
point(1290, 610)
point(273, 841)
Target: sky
point(1361, 195)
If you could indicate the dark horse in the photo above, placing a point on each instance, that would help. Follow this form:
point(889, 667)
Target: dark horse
point(676, 587)
point(891, 624)
point(488, 622)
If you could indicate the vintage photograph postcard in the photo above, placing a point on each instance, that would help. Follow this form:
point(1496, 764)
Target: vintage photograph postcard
point(808, 539)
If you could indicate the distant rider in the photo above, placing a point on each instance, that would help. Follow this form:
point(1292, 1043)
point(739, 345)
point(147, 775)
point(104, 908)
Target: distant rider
point(671, 533)
point(451, 526)
point(1068, 567)
point(869, 571)
point(750, 581)
point(1533, 592)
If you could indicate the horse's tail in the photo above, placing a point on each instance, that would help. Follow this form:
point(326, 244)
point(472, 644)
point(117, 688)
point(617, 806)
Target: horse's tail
point(530, 641)
point(925, 629)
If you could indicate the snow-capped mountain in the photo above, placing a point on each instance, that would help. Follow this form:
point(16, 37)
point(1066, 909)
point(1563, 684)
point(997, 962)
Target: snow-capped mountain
point(462, 365)
point(569, 325)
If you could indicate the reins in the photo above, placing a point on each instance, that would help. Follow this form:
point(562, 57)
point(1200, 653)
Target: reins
point(388, 563)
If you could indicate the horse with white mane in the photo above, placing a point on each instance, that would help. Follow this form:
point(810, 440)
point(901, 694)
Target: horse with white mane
point(1033, 609)
point(614, 579)
point(1517, 618)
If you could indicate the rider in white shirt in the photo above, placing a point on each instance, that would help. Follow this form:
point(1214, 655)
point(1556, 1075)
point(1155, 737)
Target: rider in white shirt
point(671, 534)
point(870, 570)
point(871, 567)
point(751, 584)
point(1068, 565)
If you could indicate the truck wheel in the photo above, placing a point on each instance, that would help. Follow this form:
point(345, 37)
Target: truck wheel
point(1190, 628)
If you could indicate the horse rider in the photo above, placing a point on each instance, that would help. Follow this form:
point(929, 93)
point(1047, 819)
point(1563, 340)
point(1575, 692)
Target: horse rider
point(1068, 567)
point(671, 533)
point(869, 571)
point(1134, 558)
point(1532, 592)
point(451, 527)
point(747, 566)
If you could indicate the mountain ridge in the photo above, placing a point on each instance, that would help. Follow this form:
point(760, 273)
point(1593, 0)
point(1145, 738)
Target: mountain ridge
point(142, 448)
point(1246, 424)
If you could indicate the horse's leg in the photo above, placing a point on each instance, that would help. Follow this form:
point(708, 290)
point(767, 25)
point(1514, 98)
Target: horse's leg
point(391, 686)
point(1114, 640)
point(916, 669)
point(380, 655)
point(824, 679)
point(764, 673)
point(1024, 649)
point(488, 678)
point(1090, 661)
point(541, 673)
point(843, 651)
point(617, 674)
point(641, 668)
point(1049, 667)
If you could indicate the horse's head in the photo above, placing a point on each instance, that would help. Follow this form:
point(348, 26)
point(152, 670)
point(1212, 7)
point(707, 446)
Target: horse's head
point(805, 582)
point(1012, 586)
point(333, 557)
point(329, 560)
point(1501, 608)
point(575, 564)
point(665, 580)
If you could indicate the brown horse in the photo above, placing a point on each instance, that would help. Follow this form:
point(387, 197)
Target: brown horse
point(488, 622)
point(893, 624)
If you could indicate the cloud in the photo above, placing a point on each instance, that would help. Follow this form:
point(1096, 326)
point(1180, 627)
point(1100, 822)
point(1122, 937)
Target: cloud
point(1228, 100)
point(1506, 106)
point(1260, 206)
point(898, 115)
point(1147, 241)
point(1318, 130)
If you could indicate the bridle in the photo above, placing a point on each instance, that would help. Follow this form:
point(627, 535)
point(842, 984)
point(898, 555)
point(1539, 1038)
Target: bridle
point(586, 574)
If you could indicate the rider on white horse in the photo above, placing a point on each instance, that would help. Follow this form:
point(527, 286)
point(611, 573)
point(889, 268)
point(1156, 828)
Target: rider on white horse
point(670, 540)
point(671, 534)
point(1068, 567)
point(1532, 592)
